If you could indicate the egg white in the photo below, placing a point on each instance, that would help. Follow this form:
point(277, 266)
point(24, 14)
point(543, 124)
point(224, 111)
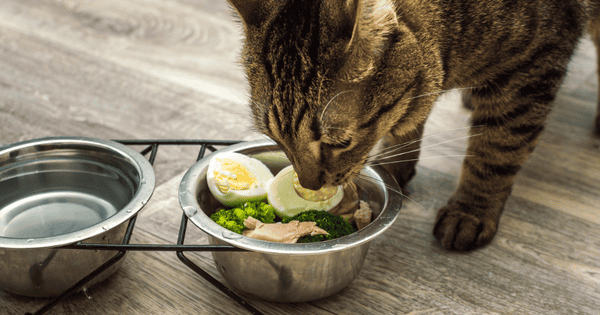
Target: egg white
point(232, 197)
point(285, 200)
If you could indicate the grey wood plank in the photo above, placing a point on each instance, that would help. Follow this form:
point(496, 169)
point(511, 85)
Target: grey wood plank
point(168, 69)
point(78, 95)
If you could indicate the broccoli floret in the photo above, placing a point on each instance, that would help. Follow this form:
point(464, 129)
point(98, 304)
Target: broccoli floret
point(334, 224)
point(233, 219)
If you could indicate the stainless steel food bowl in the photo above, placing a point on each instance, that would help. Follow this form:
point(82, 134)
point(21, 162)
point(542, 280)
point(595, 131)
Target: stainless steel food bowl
point(59, 191)
point(288, 272)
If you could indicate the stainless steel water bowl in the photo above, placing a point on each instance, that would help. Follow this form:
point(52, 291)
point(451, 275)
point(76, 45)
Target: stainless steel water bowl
point(59, 191)
point(288, 272)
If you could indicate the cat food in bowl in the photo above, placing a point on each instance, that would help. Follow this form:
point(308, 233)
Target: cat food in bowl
point(284, 272)
point(59, 191)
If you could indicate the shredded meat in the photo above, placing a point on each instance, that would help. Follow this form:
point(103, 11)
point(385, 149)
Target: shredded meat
point(350, 208)
point(280, 232)
point(349, 202)
point(362, 216)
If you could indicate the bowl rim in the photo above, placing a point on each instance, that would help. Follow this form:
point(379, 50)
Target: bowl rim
point(137, 202)
point(189, 188)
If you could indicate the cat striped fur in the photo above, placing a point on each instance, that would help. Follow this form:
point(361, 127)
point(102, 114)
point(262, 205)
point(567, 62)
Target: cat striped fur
point(332, 80)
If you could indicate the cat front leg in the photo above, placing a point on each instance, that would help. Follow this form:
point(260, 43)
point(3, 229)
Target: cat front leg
point(399, 154)
point(470, 219)
point(509, 114)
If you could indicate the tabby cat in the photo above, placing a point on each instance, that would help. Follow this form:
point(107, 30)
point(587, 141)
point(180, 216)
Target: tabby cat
point(333, 80)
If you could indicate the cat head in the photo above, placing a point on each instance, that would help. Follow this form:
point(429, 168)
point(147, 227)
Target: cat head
point(329, 78)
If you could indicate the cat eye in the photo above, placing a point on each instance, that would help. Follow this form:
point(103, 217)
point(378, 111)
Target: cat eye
point(343, 144)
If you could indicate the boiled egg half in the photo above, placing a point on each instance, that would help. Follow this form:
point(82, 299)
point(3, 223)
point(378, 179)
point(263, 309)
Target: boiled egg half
point(289, 198)
point(235, 178)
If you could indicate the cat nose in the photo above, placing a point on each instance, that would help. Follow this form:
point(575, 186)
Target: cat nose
point(310, 184)
point(310, 179)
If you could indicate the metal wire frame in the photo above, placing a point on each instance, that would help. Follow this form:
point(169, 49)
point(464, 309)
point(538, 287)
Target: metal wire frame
point(179, 248)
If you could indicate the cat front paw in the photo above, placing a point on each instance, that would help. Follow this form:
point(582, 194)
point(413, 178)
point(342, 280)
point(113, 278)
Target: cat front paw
point(459, 227)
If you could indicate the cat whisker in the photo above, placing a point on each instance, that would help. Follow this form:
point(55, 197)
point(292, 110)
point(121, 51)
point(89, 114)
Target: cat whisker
point(440, 149)
point(403, 145)
point(267, 138)
point(373, 180)
point(378, 156)
point(273, 142)
point(357, 184)
point(419, 159)
point(328, 103)
point(376, 181)
point(440, 92)
point(354, 188)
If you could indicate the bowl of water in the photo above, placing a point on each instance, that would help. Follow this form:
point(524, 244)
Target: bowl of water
point(60, 191)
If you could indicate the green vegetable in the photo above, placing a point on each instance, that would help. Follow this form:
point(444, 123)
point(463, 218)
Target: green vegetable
point(334, 224)
point(233, 219)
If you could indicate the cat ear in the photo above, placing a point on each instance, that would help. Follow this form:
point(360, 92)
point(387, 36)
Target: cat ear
point(372, 18)
point(353, 8)
point(341, 16)
point(252, 12)
point(374, 21)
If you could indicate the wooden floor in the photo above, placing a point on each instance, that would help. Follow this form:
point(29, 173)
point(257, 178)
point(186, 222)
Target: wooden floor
point(155, 69)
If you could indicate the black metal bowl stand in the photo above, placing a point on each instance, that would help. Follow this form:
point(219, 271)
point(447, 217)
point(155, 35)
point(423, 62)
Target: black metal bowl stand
point(179, 248)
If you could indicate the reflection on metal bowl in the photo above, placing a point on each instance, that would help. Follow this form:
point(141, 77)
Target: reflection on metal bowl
point(59, 191)
point(288, 272)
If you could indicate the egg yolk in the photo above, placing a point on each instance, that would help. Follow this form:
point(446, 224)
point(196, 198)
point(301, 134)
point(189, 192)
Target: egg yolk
point(233, 175)
point(313, 195)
